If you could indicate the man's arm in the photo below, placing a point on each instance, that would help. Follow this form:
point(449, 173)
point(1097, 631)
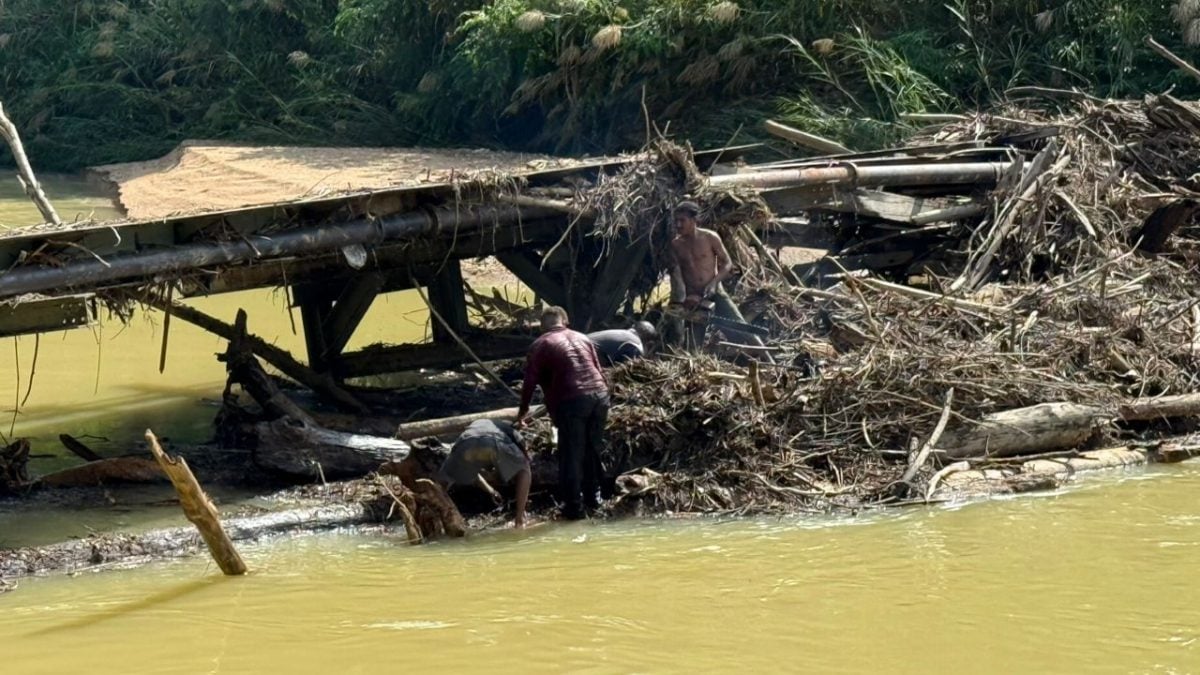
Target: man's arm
point(724, 263)
point(532, 375)
point(678, 289)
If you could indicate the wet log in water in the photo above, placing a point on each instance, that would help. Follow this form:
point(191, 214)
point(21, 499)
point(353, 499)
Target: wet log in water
point(362, 502)
point(110, 550)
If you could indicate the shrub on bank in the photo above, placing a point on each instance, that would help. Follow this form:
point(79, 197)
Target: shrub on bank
point(92, 81)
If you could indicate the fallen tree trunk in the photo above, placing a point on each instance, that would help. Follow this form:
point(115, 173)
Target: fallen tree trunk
point(1047, 426)
point(364, 502)
point(105, 550)
point(1056, 426)
point(309, 451)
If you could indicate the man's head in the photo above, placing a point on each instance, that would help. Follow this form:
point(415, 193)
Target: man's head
point(553, 317)
point(646, 331)
point(686, 213)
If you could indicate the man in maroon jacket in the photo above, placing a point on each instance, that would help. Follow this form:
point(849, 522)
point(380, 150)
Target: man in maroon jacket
point(564, 363)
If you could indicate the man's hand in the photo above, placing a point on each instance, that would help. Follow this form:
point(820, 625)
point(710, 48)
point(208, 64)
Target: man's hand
point(521, 423)
point(691, 301)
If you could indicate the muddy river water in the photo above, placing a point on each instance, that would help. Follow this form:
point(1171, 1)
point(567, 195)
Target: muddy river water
point(1094, 578)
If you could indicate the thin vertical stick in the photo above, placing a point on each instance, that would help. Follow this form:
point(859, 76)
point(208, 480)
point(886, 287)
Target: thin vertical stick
point(37, 346)
point(162, 355)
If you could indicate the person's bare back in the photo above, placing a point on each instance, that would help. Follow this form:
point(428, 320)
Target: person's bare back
point(701, 260)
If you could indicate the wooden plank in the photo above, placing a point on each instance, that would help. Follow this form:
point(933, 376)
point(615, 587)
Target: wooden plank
point(867, 261)
point(49, 314)
point(801, 233)
point(315, 303)
point(613, 282)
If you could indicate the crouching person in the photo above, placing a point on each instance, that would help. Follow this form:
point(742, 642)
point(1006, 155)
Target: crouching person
point(488, 444)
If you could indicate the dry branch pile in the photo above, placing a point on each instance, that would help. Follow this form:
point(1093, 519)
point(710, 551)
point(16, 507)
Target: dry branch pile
point(1075, 282)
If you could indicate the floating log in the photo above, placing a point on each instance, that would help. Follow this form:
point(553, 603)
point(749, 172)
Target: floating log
point(199, 509)
point(107, 550)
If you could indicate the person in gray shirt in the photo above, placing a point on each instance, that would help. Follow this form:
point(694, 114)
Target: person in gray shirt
point(490, 444)
point(621, 345)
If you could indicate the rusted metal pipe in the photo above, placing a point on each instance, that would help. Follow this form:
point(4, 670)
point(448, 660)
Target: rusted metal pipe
point(847, 174)
point(91, 272)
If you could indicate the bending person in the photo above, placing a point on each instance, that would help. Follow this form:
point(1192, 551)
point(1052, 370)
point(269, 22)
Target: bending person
point(624, 344)
point(488, 444)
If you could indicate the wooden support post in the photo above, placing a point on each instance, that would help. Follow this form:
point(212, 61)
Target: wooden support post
point(199, 509)
point(446, 294)
point(528, 268)
point(314, 306)
point(339, 324)
point(613, 282)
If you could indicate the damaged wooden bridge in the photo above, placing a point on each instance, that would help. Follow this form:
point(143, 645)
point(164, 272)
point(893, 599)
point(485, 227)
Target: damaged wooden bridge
point(335, 255)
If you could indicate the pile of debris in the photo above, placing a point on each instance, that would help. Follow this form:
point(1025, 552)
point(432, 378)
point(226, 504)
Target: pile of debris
point(1014, 284)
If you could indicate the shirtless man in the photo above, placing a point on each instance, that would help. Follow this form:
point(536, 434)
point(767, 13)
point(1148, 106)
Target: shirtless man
point(699, 259)
point(699, 264)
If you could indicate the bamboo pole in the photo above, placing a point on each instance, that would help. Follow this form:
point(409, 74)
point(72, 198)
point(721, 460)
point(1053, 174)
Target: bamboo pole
point(33, 189)
point(462, 343)
point(446, 426)
point(1170, 56)
point(805, 139)
point(199, 509)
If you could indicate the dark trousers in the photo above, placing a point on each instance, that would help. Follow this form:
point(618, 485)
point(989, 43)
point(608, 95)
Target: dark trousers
point(580, 422)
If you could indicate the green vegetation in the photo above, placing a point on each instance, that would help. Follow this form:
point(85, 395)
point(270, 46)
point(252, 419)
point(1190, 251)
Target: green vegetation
point(93, 81)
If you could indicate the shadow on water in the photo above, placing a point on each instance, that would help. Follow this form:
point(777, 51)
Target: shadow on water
point(153, 601)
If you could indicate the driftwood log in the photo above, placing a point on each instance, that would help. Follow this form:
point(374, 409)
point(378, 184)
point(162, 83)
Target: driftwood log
point(363, 502)
point(199, 509)
point(1055, 426)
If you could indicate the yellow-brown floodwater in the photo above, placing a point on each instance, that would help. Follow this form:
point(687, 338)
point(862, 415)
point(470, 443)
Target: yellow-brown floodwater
point(1096, 578)
point(1099, 578)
